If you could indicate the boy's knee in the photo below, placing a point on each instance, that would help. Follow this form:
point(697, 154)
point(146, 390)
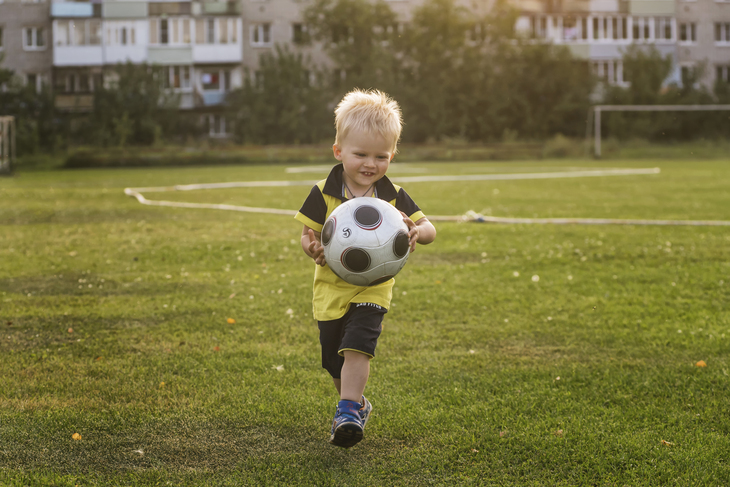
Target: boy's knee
point(356, 355)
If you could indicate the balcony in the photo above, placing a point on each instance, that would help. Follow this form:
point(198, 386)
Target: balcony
point(72, 9)
point(74, 102)
point(217, 53)
point(78, 55)
point(213, 98)
point(221, 8)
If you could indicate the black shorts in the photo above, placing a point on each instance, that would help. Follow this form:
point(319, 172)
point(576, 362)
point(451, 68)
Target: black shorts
point(358, 330)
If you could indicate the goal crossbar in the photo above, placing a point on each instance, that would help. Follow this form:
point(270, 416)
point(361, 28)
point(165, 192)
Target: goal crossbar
point(597, 109)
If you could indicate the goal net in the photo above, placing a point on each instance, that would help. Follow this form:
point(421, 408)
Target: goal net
point(598, 109)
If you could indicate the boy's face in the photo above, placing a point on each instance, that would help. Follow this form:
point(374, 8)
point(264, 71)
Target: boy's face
point(365, 157)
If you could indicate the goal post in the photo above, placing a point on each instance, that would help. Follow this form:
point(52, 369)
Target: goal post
point(7, 144)
point(598, 109)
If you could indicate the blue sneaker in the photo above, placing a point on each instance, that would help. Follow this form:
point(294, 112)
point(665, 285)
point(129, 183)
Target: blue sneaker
point(365, 409)
point(347, 427)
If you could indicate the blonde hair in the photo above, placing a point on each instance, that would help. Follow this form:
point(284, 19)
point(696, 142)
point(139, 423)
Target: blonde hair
point(371, 111)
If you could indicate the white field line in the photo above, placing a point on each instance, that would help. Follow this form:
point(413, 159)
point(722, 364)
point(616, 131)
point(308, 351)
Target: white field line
point(469, 216)
point(411, 179)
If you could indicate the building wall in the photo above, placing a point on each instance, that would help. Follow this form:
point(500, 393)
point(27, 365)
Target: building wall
point(15, 17)
point(261, 24)
point(704, 51)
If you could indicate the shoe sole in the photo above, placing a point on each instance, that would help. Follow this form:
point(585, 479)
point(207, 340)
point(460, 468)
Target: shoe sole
point(347, 435)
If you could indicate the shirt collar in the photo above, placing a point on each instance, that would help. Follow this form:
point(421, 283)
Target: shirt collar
point(333, 185)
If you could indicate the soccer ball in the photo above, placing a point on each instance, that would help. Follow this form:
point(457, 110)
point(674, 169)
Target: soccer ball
point(365, 241)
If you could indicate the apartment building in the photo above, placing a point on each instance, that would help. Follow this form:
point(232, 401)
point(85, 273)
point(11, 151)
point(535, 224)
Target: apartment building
point(599, 31)
point(704, 39)
point(205, 46)
point(197, 45)
point(25, 40)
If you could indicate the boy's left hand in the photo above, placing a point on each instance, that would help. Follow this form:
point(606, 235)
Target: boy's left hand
point(413, 231)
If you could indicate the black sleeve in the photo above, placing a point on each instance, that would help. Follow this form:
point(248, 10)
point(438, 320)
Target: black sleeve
point(404, 203)
point(314, 206)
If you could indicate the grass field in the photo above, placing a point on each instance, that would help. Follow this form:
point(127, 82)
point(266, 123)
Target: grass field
point(513, 354)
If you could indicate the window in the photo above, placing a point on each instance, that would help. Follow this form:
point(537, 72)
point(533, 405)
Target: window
point(34, 81)
point(607, 28)
point(168, 31)
point(176, 77)
point(164, 34)
point(570, 29)
point(34, 38)
point(215, 31)
point(723, 73)
point(688, 32)
point(216, 125)
point(60, 84)
point(186, 39)
point(211, 80)
point(610, 71)
point(538, 27)
point(663, 28)
point(84, 83)
point(642, 29)
point(210, 31)
point(298, 33)
point(722, 32)
point(121, 33)
point(261, 34)
point(689, 75)
point(78, 32)
point(94, 27)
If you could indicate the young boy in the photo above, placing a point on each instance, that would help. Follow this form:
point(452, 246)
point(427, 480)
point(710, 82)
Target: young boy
point(349, 317)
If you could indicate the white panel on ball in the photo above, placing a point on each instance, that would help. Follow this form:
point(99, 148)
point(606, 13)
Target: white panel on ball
point(365, 241)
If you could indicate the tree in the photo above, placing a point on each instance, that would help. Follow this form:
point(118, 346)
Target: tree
point(133, 108)
point(38, 124)
point(283, 102)
point(648, 72)
point(358, 36)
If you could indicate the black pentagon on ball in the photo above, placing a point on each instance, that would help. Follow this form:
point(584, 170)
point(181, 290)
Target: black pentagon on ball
point(380, 280)
point(368, 217)
point(400, 244)
point(355, 260)
point(327, 231)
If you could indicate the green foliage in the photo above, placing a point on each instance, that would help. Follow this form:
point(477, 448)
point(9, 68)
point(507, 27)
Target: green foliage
point(134, 108)
point(455, 74)
point(38, 124)
point(360, 37)
point(284, 102)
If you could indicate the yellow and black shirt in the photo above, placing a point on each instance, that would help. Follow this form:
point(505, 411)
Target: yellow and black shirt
point(332, 295)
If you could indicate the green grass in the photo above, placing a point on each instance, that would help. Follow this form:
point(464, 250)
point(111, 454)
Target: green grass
point(478, 369)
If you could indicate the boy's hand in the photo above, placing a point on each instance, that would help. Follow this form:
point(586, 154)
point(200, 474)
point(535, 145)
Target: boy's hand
point(315, 249)
point(413, 231)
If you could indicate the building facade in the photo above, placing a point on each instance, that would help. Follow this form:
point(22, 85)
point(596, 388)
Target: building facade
point(704, 39)
point(204, 48)
point(25, 40)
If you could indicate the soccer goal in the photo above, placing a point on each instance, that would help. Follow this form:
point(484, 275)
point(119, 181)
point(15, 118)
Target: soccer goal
point(7, 144)
point(598, 109)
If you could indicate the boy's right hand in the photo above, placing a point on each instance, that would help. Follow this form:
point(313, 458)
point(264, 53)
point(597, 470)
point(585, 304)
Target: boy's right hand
point(315, 249)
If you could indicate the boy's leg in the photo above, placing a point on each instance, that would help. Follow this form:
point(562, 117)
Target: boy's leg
point(355, 373)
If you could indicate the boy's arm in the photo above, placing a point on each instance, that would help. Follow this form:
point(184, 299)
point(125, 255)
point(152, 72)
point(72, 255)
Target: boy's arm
point(311, 245)
point(422, 231)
